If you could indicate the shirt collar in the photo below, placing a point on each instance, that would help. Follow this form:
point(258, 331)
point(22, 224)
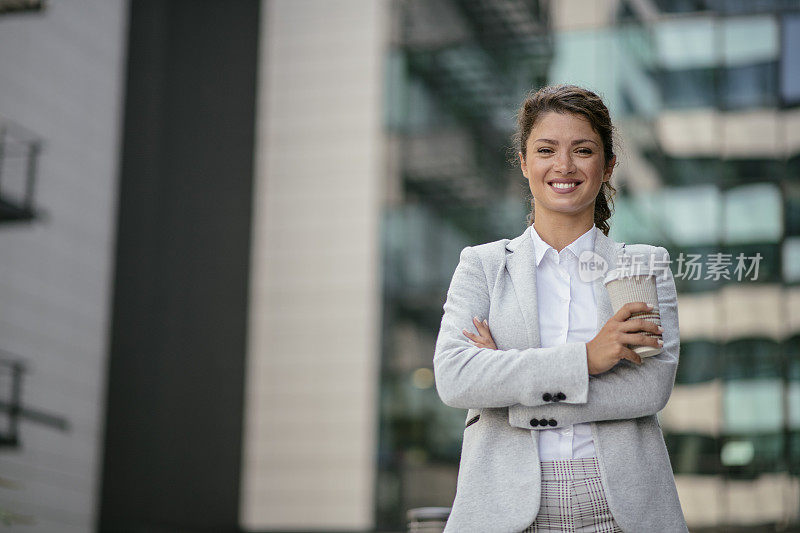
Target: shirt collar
point(578, 246)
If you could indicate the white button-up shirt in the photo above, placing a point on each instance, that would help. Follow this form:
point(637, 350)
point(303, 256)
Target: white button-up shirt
point(567, 313)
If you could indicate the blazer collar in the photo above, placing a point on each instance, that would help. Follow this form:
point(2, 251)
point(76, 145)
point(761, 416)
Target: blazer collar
point(521, 265)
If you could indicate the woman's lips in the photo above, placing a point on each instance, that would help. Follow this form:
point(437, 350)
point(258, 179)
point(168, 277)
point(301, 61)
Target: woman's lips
point(564, 190)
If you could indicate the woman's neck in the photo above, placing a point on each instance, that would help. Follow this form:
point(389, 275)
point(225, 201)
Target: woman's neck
point(558, 232)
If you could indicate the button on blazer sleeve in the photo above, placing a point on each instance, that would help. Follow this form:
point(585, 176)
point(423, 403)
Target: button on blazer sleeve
point(470, 377)
point(629, 390)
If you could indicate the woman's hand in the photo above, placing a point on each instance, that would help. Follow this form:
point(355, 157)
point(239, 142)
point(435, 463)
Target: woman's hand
point(609, 345)
point(484, 337)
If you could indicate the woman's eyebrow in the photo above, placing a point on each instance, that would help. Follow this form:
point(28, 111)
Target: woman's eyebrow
point(577, 141)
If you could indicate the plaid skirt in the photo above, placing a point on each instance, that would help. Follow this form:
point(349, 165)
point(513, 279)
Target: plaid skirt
point(573, 499)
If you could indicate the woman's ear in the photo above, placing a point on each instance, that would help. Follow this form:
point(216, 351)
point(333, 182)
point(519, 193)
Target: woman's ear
point(609, 169)
point(522, 164)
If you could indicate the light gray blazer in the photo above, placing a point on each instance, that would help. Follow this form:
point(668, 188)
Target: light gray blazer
point(499, 477)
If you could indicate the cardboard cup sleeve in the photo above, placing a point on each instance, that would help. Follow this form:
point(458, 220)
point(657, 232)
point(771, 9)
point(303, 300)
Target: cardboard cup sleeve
point(624, 289)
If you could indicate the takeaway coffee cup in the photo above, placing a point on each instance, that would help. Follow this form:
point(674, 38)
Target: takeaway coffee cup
point(625, 288)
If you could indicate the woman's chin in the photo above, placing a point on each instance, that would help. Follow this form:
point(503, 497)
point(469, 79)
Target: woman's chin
point(566, 208)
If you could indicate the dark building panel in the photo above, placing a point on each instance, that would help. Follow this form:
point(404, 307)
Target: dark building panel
point(172, 451)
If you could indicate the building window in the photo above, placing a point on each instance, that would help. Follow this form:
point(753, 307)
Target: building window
point(790, 59)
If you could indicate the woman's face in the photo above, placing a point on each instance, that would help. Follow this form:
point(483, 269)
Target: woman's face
point(565, 165)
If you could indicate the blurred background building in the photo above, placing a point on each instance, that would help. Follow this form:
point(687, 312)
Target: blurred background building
point(228, 229)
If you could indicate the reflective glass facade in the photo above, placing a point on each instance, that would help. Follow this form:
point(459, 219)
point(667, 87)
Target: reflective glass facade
point(706, 98)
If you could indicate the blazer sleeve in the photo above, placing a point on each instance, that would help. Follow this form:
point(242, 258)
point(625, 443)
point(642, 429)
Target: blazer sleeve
point(628, 390)
point(469, 377)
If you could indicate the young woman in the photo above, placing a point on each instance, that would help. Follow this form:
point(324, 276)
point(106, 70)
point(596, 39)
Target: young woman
point(561, 431)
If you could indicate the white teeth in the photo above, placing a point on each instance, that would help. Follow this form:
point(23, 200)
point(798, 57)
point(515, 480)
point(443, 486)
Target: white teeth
point(564, 185)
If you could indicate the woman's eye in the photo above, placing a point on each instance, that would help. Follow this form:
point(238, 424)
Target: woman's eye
point(545, 151)
point(584, 151)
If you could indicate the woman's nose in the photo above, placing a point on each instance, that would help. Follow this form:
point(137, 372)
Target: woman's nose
point(564, 163)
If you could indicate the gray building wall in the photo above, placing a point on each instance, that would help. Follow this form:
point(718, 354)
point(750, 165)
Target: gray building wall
point(314, 320)
point(61, 74)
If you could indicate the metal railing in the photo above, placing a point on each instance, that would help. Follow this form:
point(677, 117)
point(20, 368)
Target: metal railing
point(12, 372)
point(18, 6)
point(19, 156)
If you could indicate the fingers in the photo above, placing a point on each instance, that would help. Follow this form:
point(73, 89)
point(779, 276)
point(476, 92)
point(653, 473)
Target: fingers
point(483, 330)
point(483, 327)
point(629, 308)
point(640, 324)
point(639, 339)
point(631, 356)
point(471, 336)
point(484, 338)
point(476, 340)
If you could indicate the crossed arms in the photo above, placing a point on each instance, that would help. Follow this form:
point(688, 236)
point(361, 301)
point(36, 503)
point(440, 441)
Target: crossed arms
point(471, 377)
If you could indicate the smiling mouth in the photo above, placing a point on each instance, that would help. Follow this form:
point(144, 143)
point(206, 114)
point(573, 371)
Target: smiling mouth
point(561, 186)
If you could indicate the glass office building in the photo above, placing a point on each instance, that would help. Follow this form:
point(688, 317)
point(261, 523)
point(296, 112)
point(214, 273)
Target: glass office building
point(706, 98)
point(247, 215)
point(455, 71)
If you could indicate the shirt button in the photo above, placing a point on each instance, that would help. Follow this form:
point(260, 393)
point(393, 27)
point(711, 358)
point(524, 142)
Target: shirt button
point(534, 422)
point(551, 422)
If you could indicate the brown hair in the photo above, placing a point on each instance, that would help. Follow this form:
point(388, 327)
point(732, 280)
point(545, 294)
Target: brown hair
point(579, 101)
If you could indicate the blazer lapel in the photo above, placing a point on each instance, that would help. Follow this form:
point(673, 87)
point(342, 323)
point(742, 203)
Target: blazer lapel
point(608, 249)
point(521, 265)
